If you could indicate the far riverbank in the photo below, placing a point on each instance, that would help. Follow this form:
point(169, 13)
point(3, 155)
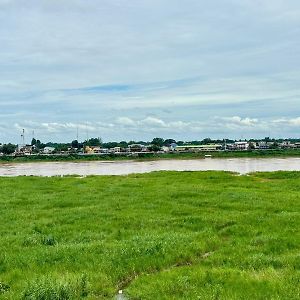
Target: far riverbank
point(151, 156)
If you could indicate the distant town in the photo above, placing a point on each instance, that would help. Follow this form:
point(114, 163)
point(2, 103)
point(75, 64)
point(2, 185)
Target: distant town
point(95, 146)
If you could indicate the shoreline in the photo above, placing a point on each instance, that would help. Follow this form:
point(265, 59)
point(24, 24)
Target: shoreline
point(149, 156)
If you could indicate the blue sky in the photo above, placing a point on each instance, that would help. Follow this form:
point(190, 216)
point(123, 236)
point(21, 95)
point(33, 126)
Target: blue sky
point(137, 69)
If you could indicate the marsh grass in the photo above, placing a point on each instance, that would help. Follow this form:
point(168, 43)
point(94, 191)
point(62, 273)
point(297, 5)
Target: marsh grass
point(163, 235)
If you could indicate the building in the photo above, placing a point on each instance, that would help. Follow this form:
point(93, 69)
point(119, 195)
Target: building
point(262, 145)
point(24, 149)
point(165, 149)
point(198, 148)
point(242, 146)
point(137, 148)
point(287, 145)
point(92, 150)
point(115, 150)
point(173, 146)
point(104, 151)
point(48, 150)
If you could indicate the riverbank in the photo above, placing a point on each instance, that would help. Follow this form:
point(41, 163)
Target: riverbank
point(164, 235)
point(151, 156)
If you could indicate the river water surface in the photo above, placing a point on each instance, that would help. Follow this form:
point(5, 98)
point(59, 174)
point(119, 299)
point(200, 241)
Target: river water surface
point(239, 165)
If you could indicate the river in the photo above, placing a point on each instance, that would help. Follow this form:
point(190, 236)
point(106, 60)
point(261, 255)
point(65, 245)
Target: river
point(239, 165)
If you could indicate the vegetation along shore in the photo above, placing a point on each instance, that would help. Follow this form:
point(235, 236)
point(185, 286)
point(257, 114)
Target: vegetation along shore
point(151, 156)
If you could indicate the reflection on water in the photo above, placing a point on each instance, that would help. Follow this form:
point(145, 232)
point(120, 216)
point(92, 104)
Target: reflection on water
point(240, 165)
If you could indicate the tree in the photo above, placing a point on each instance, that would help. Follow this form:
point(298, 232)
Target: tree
point(75, 144)
point(110, 145)
point(33, 142)
point(158, 142)
point(206, 141)
point(123, 144)
point(154, 148)
point(38, 144)
point(94, 142)
point(61, 147)
point(8, 149)
point(274, 146)
point(168, 142)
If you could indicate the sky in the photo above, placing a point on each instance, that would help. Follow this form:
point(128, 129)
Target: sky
point(139, 69)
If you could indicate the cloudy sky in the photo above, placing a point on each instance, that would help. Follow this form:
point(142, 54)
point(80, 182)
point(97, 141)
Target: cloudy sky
point(136, 69)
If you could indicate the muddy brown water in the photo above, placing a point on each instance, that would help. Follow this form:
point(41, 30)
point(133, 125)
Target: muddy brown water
point(239, 165)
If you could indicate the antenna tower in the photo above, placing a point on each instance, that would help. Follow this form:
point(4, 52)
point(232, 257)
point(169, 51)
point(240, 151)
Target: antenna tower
point(23, 136)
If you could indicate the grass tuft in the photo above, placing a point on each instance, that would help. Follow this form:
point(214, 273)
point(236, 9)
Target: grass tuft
point(4, 287)
point(47, 288)
point(49, 241)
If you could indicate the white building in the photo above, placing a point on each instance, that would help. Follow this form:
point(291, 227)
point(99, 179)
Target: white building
point(115, 150)
point(242, 146)
point(48, 150)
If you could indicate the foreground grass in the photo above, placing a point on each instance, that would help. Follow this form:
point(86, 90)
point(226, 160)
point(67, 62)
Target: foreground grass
point(153, 156)
point(164, 235)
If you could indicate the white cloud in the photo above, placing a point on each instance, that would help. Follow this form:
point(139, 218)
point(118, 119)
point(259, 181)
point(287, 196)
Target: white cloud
point(151, 126)
point(151, 121)
point(192, 58)
point(125, 121)
point(240, 121)
point(295, 122)
point(290, 122)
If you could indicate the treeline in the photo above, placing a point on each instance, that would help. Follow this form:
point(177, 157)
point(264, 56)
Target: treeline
point(8, 148)
point(155, 143)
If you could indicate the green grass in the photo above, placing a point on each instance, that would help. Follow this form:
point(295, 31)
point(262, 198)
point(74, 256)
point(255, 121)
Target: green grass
point(153, 156)
point(163, 235)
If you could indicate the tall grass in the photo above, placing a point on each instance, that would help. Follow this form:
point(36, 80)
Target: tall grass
point(47, 288)
point(163, 235)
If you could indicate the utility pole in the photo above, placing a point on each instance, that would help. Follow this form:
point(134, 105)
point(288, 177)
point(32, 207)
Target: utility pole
point(87, 131)
point(23, 136)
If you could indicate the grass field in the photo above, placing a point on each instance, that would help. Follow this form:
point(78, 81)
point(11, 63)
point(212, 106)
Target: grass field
point(163, 235)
